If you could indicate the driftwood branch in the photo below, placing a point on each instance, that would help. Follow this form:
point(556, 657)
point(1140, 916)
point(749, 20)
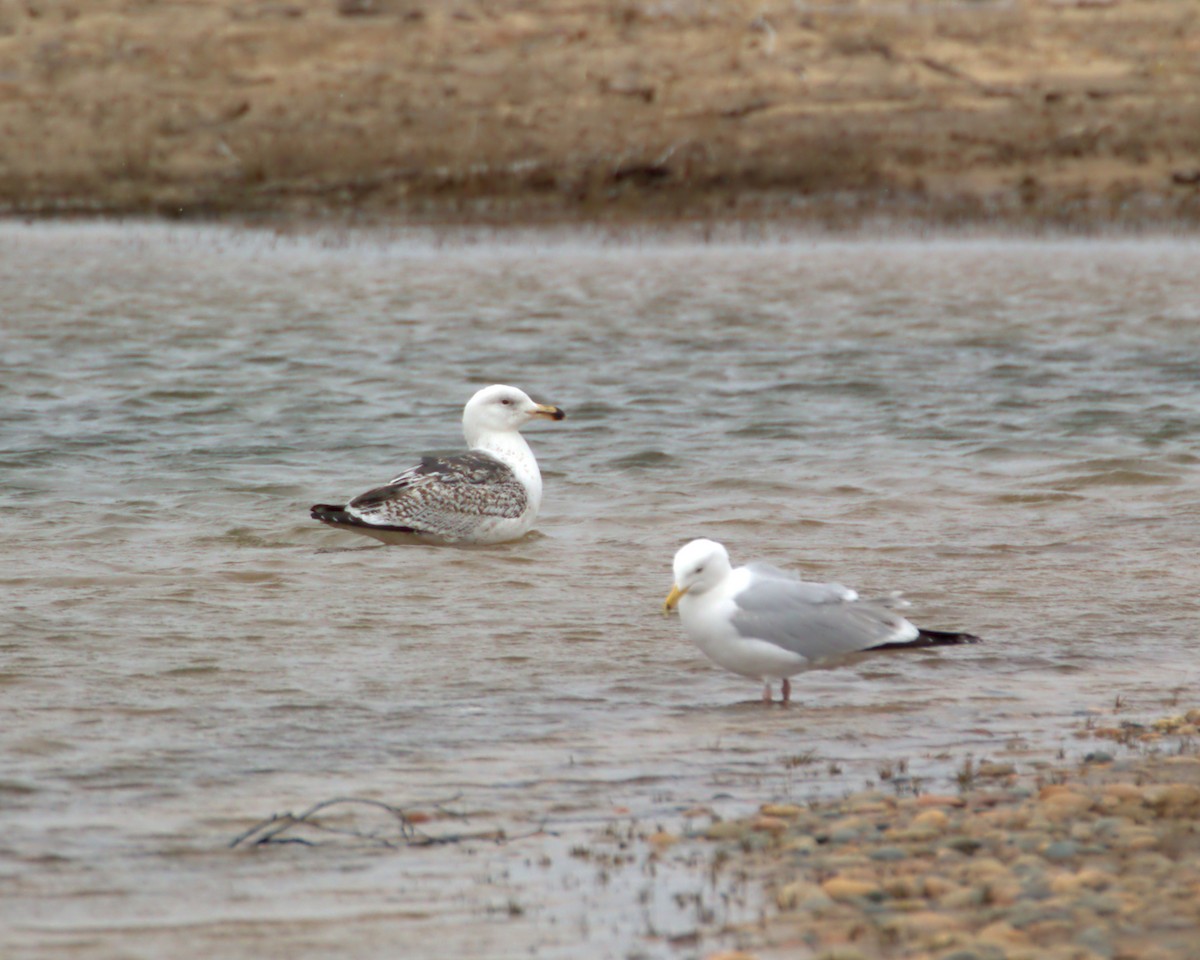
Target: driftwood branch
point(274, 829)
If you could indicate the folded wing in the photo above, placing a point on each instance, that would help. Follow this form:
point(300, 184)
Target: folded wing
point(815, 620)
point(444, 497)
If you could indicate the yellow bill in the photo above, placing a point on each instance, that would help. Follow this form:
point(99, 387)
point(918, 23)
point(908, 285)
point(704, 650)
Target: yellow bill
point(672, 600)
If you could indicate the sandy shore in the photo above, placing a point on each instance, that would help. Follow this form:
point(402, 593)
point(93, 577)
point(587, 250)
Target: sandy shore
point(1091, 862)
point(1064, 112)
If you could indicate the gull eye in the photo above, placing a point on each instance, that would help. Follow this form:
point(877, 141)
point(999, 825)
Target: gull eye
point(506, 401)
point(699, 569)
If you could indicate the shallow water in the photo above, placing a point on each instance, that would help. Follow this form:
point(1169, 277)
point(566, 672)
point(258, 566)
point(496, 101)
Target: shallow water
point(1004, 429)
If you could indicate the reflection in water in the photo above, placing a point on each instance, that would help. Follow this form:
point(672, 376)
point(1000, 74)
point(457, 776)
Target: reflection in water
point(1003, 429)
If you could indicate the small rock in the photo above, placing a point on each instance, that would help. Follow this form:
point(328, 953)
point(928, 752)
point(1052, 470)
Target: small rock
point(1060, 850)
point(1069, 885)
point(1097, 939)
point(1101, 904)
point(1002, 893)
point(1065, 805)
point(932, 819)
point(801, 893)
point(1110, 826)
point(1098, 756)
point(1025, 915)
point(856, 826)
point(935, 886)
point(904, 893)
point(966, 954)
point(964, 898)
point(1135, 838)
point(920, 925)
point(772, 825)
point(844, 888)
point(842, 953)
point(789, 811)
point(1124, 791)
point(725, 830)
point(994, 771)
point(802, 845)
point(1094, 879)
point(889, 854)
point(1004, 934)
point(964, 845)
point(1172, 798)
point(1083, 832)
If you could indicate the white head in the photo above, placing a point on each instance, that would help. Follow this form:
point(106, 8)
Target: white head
point(699, 566)
point(502, 409)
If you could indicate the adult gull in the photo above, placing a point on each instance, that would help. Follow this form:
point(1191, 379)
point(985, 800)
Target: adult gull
point(489, 494)
point(768, 624)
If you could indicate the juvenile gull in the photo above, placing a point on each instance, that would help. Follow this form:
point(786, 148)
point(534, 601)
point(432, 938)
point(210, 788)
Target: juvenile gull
point(768, 624)
point(489, 494)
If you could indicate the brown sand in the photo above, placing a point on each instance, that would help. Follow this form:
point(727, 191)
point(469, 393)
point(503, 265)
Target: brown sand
point(1030, 111)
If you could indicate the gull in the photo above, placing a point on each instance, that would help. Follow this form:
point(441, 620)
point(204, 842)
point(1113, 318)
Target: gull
point(487, 495)
point(768, 624)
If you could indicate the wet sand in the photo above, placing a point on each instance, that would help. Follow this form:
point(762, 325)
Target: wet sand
point(1064, 112)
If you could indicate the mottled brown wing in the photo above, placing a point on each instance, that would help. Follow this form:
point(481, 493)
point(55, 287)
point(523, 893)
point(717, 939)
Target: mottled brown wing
point(443, 497)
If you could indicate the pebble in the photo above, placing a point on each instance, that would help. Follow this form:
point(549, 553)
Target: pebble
point(1063, 806)
point(803, 844)
point(933, 819)
point(772, 825)
point(801, 894)
point(1004, 933)
point(964, 845)
point(725, 830)
point(1060, 850)
point(1173, 798)
point(846, 888)
point(788, 811)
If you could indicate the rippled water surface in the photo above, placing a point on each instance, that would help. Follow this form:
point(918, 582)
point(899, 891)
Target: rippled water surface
point(1005, 430)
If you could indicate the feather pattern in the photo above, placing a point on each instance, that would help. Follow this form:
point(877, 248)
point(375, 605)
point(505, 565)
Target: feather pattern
point(444, 497)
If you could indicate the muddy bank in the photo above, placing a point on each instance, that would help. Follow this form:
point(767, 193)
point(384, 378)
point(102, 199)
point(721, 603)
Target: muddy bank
point(1066, 113)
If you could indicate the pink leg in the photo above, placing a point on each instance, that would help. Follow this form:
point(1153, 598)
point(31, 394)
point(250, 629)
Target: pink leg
point(787, 691)
point(767, 692)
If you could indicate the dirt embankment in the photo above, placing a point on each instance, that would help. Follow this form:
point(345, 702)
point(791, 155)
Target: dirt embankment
point(1082, 112)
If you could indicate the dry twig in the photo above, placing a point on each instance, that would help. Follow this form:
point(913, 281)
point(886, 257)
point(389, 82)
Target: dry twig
point(273, 828)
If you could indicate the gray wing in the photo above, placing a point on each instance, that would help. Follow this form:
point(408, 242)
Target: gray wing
point(444, 496)
point(834, 590)
point(815, 620)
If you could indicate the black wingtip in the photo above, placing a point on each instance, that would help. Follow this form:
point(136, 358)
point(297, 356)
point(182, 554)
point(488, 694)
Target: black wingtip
point(945, 638)
point(338, 516)
point(329, 513)
point(931, 638)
